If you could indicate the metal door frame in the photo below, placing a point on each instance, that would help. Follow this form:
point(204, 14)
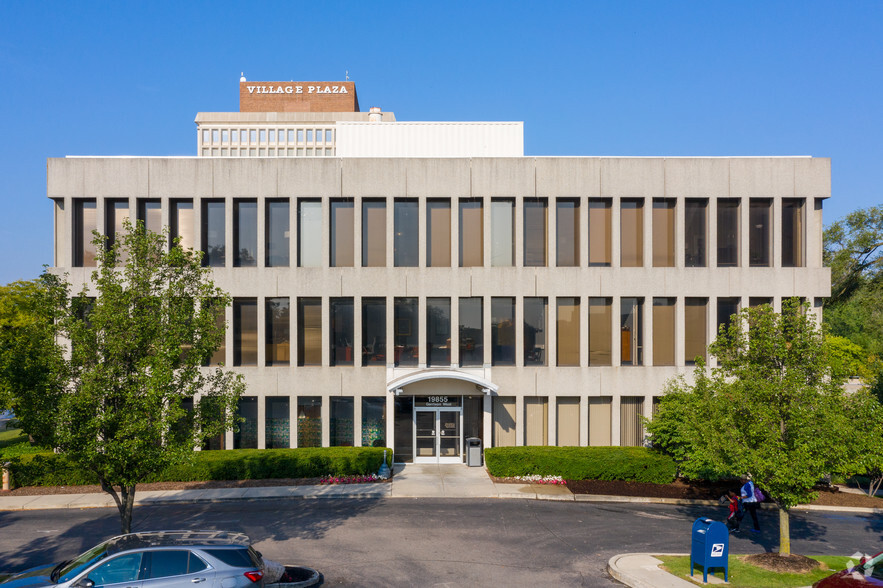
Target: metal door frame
point(438, 458)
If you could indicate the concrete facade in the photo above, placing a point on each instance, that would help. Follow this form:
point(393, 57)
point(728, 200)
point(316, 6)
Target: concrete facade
point(773, 179)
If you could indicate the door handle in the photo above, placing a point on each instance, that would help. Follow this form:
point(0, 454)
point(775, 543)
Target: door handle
point(197, 580)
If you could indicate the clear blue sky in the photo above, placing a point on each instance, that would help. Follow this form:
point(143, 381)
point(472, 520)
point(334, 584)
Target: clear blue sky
point(587, 78)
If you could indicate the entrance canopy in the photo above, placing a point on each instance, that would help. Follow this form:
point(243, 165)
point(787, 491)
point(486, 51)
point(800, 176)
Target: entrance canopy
point(482, 385)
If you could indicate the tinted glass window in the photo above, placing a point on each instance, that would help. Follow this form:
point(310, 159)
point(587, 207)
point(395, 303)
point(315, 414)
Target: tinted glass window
point(168, 563)
point(237, 558)
point(124, 568)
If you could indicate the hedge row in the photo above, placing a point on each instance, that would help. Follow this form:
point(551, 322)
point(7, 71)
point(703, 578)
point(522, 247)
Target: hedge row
point(637, 464)
point(237, 464)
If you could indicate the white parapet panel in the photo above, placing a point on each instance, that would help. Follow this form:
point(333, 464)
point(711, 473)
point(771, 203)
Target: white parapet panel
point(430, 139)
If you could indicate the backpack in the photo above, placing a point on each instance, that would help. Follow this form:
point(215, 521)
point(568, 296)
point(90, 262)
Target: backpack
point(758, 494)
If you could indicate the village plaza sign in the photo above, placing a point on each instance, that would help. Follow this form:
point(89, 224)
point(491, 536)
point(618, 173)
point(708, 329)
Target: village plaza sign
point(297, 89)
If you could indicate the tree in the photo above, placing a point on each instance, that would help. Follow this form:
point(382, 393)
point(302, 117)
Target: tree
point(138, 336)
point(773, 408)
point(866, 413)
point(854, 251)
point(31, 367)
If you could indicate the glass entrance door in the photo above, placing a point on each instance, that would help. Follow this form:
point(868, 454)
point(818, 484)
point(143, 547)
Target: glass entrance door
point(437, 437)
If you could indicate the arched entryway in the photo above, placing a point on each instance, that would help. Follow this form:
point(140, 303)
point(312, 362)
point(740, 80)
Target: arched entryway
point(435, 411)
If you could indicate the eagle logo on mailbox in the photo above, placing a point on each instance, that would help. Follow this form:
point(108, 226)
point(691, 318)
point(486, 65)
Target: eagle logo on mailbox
point(717, 549)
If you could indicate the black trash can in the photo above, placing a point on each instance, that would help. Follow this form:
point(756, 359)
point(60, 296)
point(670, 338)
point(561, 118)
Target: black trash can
point(473, 451)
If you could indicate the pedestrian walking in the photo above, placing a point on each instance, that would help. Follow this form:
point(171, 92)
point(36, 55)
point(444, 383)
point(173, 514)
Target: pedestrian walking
point(735, 513)
point(749, 501)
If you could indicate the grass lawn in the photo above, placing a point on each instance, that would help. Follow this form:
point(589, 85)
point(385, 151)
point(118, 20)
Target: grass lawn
point(9, 437)
point(743, 575)
point(14, 443)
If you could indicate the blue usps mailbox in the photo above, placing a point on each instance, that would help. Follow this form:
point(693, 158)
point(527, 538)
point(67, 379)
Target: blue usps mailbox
point(711, 547)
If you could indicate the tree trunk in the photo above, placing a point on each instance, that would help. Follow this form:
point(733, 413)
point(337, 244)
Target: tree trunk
point(125, 501)
point(784, 532)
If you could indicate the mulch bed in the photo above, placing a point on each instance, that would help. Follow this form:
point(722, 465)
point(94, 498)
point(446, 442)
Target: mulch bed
point(782, 564)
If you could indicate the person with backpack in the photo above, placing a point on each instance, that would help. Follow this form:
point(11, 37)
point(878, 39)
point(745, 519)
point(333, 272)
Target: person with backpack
point(749, 494)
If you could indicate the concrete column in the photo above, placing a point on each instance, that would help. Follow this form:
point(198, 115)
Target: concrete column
point(357, 421)
point(326, 420)
point(488, 421)
point(519, 331)
point(518, 231)
point(390, 421)
point(776, 230)
point(551, 232)
point(680, 331)
point(261, 311)
point(262, 421)
point(455, 332)
point(648, 330)
point(551, 328)
point(358, 344)
point(519, 420)
point(292, 421)
point(390, 232)
point(357, 232)
point(422, 235)
point(744, 224)
point(326, 233)
point(455, 232)
point(583, 232)
point(486, 331)
point(486, 233)
point(390, 332)
point(325, 321)
point(422, 352)
point(680, 231)
point(615, 428)
point(648, 232)
point(583, 331)
point(292, 232)
point(228, 233)
point(583, 421)
point(616, 330)
point(712, 232)
point(262, 233)
point(552, 403)
point(616, 232)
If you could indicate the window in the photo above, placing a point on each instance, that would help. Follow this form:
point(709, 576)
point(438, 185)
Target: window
point(727, 233)
point(245, 331)
point(632, 232)
point(150, 214)
point(374, 421)
point(373, 233)
point(438, 331)
point(567, 232)
point(245, 233)
point(535, 214)
point(278, 230)
point(631, 425)
point(695, 329)
point(219, 357)
point(406, 332)
point(309, 421)
point(125, 568)
point(215, 136)
point(309, 331)
point(536, 420)
point(85, 222)
point(663, 232)
point(792, 232)
point(567, 419)
point(600, 417)
point(163, 564)
point(600, 240)
point(726, 308)
point(663, 331)
point(695, 231)
point(309, 233)
point(568, 331)
point(504, 421)
point(403, 423)
point(759, 232)
point(181, 221)
point(631, 324)
point(405, 241)
point(342, 233)
point(755, 302)
point(471, 233)
point(342, 423)
point(503, 331)
point(342, 329)
point(535, 328)
point(278, 422)
point(116, 212)
point(600, 331)
point(263, 133)
point(246, 435)
point(278, 322)
point(471, 332)
point(438, 229)
point(213, 245)
point(373, 331)
point(502, 232)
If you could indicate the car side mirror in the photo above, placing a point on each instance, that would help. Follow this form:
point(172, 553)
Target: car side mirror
point(84, 583)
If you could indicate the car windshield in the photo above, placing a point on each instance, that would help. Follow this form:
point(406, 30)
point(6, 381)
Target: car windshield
point(81, 562)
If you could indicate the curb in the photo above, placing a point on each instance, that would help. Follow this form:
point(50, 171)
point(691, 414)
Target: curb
point(634, 581)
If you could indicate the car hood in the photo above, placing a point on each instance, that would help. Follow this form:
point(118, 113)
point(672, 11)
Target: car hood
point(31, 578)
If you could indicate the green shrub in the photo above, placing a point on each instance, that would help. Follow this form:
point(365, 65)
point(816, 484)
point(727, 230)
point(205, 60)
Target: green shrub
point(48, 469)
point(637, 464)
